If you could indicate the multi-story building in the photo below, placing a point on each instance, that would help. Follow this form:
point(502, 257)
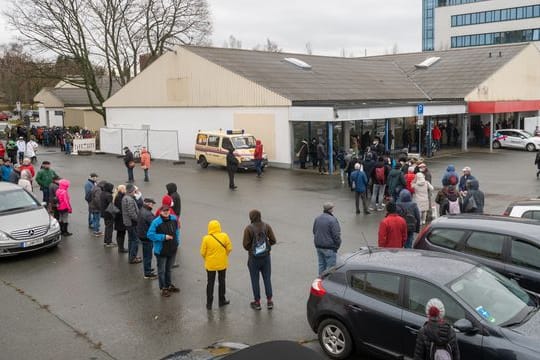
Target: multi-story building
point(450, 24)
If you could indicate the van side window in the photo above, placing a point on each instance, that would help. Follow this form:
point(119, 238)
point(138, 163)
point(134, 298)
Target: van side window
point(213, 140)
point(226, 143)
point(525, 254)
point(201, 139)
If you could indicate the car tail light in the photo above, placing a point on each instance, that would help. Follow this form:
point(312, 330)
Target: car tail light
point(317, 288)
point(422, 233)
point(507, 211)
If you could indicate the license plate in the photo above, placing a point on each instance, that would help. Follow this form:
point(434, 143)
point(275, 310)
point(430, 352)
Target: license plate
point(32, 243)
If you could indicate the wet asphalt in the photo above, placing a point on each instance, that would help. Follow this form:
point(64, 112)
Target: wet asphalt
point(85, 301)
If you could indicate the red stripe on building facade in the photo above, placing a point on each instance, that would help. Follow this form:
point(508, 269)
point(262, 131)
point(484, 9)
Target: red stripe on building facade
point(495, 107)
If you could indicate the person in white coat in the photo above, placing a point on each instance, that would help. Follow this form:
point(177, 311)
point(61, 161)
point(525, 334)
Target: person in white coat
point(21, 149)
point(422, 192)
point(25, 180)
point(31, 148)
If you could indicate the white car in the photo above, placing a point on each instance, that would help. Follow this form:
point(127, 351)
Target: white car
point(516, 138)
point(529, 209)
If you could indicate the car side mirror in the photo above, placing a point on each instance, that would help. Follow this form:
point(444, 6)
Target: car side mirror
point(464, 326)
point(43, 203)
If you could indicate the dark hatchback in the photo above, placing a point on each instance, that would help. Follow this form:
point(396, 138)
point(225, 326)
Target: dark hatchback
point(374, 301)
point(510, 246)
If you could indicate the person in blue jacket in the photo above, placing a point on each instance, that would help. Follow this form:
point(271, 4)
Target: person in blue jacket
point(165, 235)
point(359, 182)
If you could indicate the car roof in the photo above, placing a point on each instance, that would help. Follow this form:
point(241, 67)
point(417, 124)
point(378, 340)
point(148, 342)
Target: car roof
point(223, 133)
point(443, 268)
point(6, 186)
point(491, 223)
point(525, 202)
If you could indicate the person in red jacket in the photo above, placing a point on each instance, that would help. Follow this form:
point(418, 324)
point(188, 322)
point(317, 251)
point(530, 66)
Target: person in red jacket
point(436, 134)
point(258, 157)
point(2, 150)
point(393, 229)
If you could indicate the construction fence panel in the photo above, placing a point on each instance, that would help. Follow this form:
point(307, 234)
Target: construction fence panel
point(110, 140)
point(163, 144)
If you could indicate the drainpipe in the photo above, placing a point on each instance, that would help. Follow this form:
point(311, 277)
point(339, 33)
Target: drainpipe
point(330, 126)
point(386, 132)
point(490, 132)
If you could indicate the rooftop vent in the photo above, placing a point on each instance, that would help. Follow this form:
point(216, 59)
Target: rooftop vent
point(299, 63)
point(428, 62)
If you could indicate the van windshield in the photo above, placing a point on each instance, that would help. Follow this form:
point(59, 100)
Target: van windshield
point(15, 200)
point(243, 142)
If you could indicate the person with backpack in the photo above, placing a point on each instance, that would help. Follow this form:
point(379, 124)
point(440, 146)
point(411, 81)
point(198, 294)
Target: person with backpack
point(450, 177)
point(258, 241)
point(393, 229)
point(396, 181)
point(359, 183)
point(409, 211)
point(422, 195)
point(452, 202)
point(436, 340)
point(473, 202)
point(95, 207)
point(379, 175)
point(215, 250)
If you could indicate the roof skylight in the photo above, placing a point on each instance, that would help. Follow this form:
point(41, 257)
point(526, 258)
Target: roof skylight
point(428, 62)
point(297, 62)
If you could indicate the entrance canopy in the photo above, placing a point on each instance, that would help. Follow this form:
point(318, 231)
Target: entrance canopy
point(496, 107)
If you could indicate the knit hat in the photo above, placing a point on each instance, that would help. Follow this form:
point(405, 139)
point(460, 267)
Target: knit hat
point(435, 309)
point(328, 206)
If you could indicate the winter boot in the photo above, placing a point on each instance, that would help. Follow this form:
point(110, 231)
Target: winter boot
point(66, 232)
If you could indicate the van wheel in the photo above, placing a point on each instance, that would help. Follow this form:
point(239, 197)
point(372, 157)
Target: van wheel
point(203, 162)
point(335, 339)
point(530, 147)
point(496, 145)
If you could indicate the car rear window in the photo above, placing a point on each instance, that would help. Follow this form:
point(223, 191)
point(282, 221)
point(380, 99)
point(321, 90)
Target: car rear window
point(382, 286)
point(487, 245)
point(525, 254)
point(531, 214)
point(447, 238)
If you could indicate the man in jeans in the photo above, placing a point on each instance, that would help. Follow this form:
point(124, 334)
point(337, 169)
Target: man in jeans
point(379, 176)
point(130, 215)
point(327, 237)
point(259, 261)
point(165, 235)
point(143, 224)
point(95, 208)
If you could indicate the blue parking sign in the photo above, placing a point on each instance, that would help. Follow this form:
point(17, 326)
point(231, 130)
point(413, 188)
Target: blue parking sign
point(420, 109)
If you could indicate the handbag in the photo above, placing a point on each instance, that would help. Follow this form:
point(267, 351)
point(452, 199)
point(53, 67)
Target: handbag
point(131, 164)
point(112, 209)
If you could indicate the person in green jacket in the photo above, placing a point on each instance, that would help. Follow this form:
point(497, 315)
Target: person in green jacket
point(44, 178)
point(11, 148)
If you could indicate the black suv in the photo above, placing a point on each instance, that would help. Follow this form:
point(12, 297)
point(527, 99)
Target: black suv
point(510, 246)
point(375, 301)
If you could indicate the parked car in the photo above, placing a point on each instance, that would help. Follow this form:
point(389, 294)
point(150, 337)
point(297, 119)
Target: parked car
point(529, 209)
point(375, 299)
point(25, 224)
point(508, 245)
point(4, 116)
point(516, 138)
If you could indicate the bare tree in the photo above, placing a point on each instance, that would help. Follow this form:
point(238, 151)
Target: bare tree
point(106, 38)
point(309, 51)
point(232, 43)
point(270, 46)
point(395, 49)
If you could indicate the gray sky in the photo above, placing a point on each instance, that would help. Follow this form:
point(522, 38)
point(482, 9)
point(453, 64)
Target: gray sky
point(354, 25)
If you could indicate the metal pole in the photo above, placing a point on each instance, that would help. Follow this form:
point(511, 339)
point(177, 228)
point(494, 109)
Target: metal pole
point(490, 132)
point(330, 148)
point(386, 128)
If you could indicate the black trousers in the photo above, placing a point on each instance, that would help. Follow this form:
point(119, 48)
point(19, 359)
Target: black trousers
point(211, 275)
point(231, 178)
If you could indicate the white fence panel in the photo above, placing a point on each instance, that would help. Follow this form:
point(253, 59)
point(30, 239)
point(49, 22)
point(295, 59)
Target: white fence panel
point(110, 140)
point(163, 144)
point(134, 138)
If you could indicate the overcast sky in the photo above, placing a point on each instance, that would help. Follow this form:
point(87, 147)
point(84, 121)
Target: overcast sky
point(358, 26)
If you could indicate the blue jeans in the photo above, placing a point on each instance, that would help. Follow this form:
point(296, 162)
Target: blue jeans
point(68, 148)
point(378, 192)
point(95, 219)
point(45, 191)
point(261, 265)
point(130, 174)
point(327, 259)
point(133, 242)
point(410, 239)
point(164, 265)
point(147, 247)
point(258, 166)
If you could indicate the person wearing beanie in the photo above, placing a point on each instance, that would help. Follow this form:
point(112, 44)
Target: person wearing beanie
point(15, 174)
point(409, 211)
point(436, 335)
point(396, 181)
point(129, 162)
point(258, 241)
point(326, 237)
point(53, 200)
point(5, 170)
point(393, 229)
point(143, 224)
point(88, 187)
point(44, 178)
point(130, 215)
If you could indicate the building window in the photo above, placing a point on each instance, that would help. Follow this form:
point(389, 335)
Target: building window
point(517, 13)
point(505, 37)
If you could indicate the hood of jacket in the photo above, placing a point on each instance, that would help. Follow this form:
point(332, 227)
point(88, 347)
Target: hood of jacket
point(101, 184)
point(405, 196)
point(108, 187)
point(214, 227)
point(144, 151)
point(420, 179)
point(63, 184)
point(451, 168)
point(171, 188)
point(255, 216)
point(473, 184)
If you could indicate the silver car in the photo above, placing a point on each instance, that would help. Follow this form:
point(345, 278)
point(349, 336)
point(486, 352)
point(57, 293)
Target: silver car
point(516, 138)
point(25, 224)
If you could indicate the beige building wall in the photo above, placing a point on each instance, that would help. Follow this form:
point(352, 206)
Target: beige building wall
point(83, 118)
point(48, 100)
point(263, 126)
point(519, 79)
point(92, 120)
point(73, 117)
point(183, 79)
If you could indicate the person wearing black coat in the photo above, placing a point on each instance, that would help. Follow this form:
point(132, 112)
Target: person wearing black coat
point(118, 220)
point(172, 191)
point(232, 167)
point(129, 162)
point(144, 220)
point(105, 198)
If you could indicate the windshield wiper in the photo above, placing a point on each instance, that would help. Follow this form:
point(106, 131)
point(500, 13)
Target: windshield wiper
point(14, 209)
point(523, 320)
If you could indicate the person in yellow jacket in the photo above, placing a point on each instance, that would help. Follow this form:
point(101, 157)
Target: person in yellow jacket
point(215, 250)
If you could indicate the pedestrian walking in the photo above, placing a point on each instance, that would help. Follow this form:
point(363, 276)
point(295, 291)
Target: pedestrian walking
point(313, 152)
point(378, 177)
point(302, 153)
point(215, 249)
point(64, 206)
point(95, 208)
point(422, 195)
point(258, 157)
point(342, 163)
point(326, 237)
point(27, 165)
point(143, 224)
point(396, 181)
point(31, 149)
point(105, 200)
point(359, 184)
point(130, 215)
point(321, 156)
point(473, 202)
point(258, 241)
point(21, 149)
point(53, 199)
point(44, 178)
point(129, 162)
point(119, 218)
point(88, 186)
point(5, 170)
point(25, 181)
point(409, 211)
point(436, 338)
point(393, 229)
point(165, 235)
point(145, 163)
point(232, 167)
point(537, 163)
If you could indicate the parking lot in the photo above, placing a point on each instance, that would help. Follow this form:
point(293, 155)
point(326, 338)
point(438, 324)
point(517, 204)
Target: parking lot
point(85, 301)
